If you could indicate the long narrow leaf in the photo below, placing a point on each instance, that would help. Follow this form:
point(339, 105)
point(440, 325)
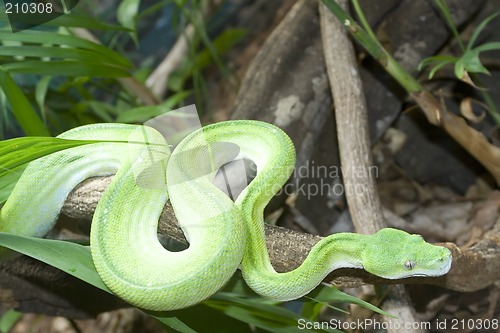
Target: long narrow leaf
point(19, 151)
point(488, 47)
point(15, 154)
point(445, 11)
point(436, 68)
point(144, 113)
point(8, 179)
point(203, 318)
point(71, 258)
point(27, 118)
point(53, 52)
point(75, 20)
point(435, 60)
point(261, 314)
point(66, 68)
point(126, 14)
point(72, 20)
point(41, 37)
point(40, 93)
point(175, 324)
point(479, 29)
point(329, 294)
point(8, 320)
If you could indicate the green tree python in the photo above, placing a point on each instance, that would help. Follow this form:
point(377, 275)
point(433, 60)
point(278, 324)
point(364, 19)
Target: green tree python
point(223, 235)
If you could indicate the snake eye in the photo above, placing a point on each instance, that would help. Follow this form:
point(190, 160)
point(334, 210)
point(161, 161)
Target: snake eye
point(410, 264)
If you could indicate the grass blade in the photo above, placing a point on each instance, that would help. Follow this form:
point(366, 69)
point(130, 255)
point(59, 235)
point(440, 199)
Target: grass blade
point(50, 38)
point(26, 116)
point(329, 294)
point(66, 68)
point(71, 258)
point(479, 29)
point(19, 151)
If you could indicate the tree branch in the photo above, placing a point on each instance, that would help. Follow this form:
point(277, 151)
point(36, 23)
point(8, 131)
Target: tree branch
point(32, 286)
point(351, 116)
point(472, 269)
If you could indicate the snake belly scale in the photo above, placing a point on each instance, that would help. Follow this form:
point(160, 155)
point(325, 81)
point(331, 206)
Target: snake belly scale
point(223, 235)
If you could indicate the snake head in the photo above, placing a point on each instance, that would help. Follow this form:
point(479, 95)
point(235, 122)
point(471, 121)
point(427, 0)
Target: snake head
point(395, 254)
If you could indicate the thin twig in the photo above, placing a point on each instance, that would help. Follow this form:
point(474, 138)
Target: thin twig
point(352, 130)
point(158, 79)
point(288, 248)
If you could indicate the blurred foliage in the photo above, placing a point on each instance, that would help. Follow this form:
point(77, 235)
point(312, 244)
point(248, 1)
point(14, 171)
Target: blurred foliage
point(467, 65)
point(53, 79)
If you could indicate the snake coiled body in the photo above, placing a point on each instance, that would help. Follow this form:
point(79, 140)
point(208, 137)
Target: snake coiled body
point(223, 235)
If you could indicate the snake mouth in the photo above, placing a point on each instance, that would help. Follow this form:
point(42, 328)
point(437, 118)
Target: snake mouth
point(447, 265)
point(443, 269)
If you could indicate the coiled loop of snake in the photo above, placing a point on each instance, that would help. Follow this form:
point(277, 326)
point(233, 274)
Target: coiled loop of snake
point(222, 235)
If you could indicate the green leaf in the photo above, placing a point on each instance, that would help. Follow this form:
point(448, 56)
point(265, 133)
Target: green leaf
point(479, 29)
point(336, 10)
point(201, 31)
point(8, 179)
point(144, 113)
point(203, 318)
point(26, 116)
point(71, 258)
point(66, 68)
point(126, 15)
point(53, 52)
point(445, 10)
point(8, 320)
point(101, 109)
point(438, 62)
point(329, 294)
point(87, 22)
point(260, 312)
point(174, 323)
point(222, 44)
point(312, 310)
point(472, 63)
point(435, 60)
point(40, 93)
point(75, 20)
point(49, 38)
point(460, 69)
point(17, 152)
point(488, 47)
point(436, 68)
point(76, 260)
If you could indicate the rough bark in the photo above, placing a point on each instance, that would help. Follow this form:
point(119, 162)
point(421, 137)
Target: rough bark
point(352, 130)
point(31, 285)
point(289, 248)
